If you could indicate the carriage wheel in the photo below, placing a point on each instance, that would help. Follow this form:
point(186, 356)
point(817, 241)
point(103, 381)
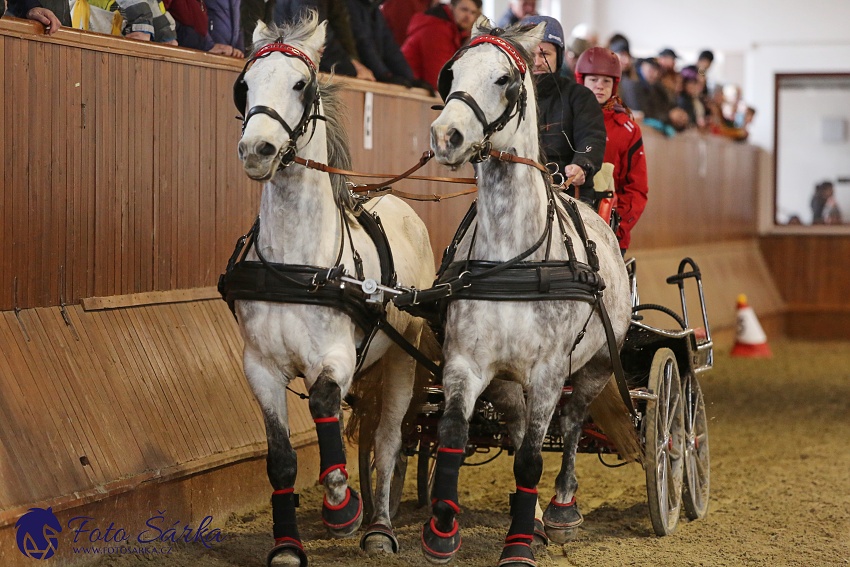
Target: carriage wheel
point(425, 468)
point(368, 478)
point(664, 435)
point(696, 489)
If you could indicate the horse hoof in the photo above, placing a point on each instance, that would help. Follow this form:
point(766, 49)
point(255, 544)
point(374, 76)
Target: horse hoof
point(440, 547)
point(287, 554)
point(561, 521)
point(517, 555)
point(343, 519)
point(379, 540)
point(540, 538)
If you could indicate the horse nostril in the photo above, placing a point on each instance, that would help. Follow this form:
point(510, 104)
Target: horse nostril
point(455, 137)
point(266, 149)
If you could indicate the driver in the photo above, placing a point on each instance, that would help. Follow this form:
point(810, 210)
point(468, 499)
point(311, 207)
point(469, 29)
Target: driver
point(572, 129)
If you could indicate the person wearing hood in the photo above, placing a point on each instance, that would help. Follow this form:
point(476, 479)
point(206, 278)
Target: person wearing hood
point(599, 70)
point(572, 130)
point(435, 35)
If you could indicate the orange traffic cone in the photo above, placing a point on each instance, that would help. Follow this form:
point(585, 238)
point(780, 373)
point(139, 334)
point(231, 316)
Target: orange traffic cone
point(750, 340)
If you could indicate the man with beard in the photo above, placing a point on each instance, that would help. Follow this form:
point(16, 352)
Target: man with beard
point(571, 125)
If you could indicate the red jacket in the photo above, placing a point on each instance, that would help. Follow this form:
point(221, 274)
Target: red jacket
point(624, 149)
point(398, 13)
point(432, 39)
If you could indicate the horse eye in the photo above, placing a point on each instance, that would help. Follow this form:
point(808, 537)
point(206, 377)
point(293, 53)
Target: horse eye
point(299, 86)
point(503, 80)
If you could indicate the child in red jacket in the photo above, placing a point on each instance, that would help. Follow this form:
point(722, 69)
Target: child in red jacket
point(599, 70)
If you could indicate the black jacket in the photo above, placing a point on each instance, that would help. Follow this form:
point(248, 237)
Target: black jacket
point(569, 110)
point(375, 42)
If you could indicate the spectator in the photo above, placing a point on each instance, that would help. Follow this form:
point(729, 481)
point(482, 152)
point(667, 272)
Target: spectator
point(52, 14)
point(251, 12)
point(585, 32)
point(670, 79)
point(690, 99)
point(647, 96)
point(718, 122)
point(704, 61)
point(517, 10)
point(225, 24)
point(145, 20)
point(575, 47)
point(341, 53)
point(571, 123)
point(824, 206)
point(193, 28)
point(599, 70)
point(377, 48)
point(434, 37)
point(398, 14)
point(620, 46)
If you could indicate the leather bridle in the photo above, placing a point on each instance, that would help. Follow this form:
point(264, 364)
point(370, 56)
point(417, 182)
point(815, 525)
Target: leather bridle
point(312, 98)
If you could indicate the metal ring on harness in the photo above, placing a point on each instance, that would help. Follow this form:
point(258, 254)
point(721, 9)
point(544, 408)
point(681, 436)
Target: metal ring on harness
point(460, 277)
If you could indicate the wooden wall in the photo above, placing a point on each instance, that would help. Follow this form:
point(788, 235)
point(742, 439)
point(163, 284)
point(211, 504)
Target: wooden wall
point(811, 272)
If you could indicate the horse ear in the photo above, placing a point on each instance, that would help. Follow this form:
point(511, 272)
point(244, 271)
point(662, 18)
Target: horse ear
point(316, 41)
point(482, 26)
point(532, 38)
point(260, 33)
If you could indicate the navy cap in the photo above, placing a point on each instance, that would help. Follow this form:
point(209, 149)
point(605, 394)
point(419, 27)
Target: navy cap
point(553, 32)
point(667, 52)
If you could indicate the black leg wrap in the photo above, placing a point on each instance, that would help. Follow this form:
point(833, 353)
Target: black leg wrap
point(562, 520)
point(517, 550)
point(331, 451)
point(344, 519)
point(446, 474)
point(285, 528)
point(540, 537)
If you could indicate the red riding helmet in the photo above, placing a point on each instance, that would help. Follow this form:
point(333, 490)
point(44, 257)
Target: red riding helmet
point(598, 61)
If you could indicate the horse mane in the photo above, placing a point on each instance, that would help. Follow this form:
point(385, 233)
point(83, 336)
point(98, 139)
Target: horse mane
point(339, 156)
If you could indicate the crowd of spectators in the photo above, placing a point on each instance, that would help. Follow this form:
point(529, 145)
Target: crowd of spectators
point(406, 42)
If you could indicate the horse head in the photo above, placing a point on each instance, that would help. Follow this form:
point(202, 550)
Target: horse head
point(278, 94)
point(488, 91)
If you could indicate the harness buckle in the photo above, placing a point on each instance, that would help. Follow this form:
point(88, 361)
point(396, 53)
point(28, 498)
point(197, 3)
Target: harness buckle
point(466, 284)
point(415, 297)
point(447, 286)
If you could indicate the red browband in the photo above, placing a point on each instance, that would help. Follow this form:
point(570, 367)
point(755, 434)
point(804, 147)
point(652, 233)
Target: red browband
point(504, 46)
point(286, 49)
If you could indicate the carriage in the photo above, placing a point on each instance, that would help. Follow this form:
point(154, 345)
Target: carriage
point(668, 416)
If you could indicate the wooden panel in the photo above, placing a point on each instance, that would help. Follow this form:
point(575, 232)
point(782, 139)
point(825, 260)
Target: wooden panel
point(728, 270)
point(116, 394)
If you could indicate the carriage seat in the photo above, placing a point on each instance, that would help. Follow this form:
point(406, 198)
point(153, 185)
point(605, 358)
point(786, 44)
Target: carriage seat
point(605, 195)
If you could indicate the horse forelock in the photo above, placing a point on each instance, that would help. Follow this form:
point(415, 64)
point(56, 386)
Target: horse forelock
point(294, 33)
point(511, 35)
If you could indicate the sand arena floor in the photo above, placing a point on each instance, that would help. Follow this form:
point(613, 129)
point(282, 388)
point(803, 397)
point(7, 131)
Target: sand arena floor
point(780, 487)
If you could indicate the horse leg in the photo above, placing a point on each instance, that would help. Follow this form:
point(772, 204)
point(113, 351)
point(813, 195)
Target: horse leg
point(509, 399)
point(562, 516)
point(342, 508)
point(441, 534)
point(397, 385)
point(528, 467)
point(281, 462)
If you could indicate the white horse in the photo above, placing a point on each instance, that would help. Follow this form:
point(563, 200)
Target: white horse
point(535, 343)
point(307, 231)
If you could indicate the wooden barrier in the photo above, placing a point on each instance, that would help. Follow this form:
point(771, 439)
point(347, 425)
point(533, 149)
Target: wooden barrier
point(122, 200)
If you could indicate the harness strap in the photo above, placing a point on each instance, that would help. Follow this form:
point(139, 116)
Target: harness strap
point(616, 363)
